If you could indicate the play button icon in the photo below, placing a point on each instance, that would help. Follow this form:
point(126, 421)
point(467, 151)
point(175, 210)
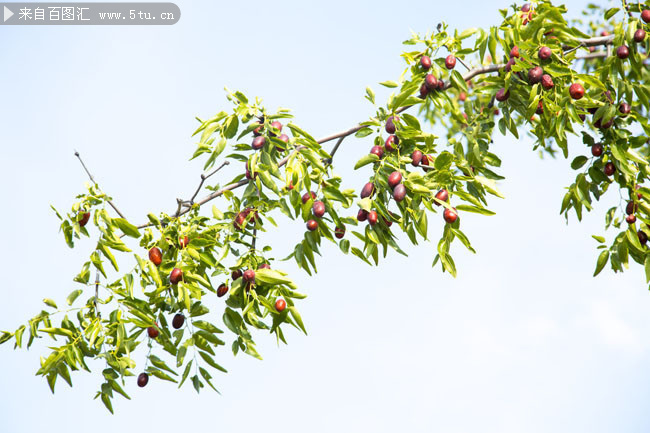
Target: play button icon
point(8, 13)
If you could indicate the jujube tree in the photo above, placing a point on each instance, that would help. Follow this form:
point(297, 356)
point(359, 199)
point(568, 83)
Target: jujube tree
point(581, 84)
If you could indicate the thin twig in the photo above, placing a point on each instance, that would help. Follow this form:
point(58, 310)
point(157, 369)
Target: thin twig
point(203, 178)
point(463, 63)
point(92, 179)
point(334, 149)
point(179, 201)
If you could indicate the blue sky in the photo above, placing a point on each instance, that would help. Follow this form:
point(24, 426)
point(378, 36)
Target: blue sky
point(523, 340)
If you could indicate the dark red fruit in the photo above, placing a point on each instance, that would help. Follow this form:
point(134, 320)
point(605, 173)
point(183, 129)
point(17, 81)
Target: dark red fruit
point(597, 149)
point(284, 138)
point(432, 84)
point(609, 169)
point(84, 219)
point(258, 142)
point(312, 225)
point(248, 173)
point(399, 192)
point(387, 222)
point(362, 215)
point(155, 255)
point(540, 108)
point(184, 241)
point(318, 209)
point(598, 124)
point(280, 305)
point(153, 332)
point(175, 276)
point(450, 216)
point(441, 195)
point(240, 220)
point(377, 150)
point(502, 95)
point(525, 7)
point(514, 52)
point(630, 219)
point(373, 217)
point(367, 190)
point(643, 238)
point(339, 232)
point(391, 142)
point(416, 158)
point(624, 108)
point(631, 207)
point(645, 15)
point(425, 62)
point(450, 61)
point(425, 158)
point(509, 65)
point(576, 91)
point(622, 52)
point(143, 380)
point(547, 82)
point(535, 75)
point(249, 275)
point(306, 196)
point(390, 124)
point(544, 53)
point(236, 274)
point(264, 266)
point(441, 84)
point(178, 321)
point(222, 290)
point(424, 91)
point(639, 36)
point(394, 179)
point(462, 96)
point(277, 125)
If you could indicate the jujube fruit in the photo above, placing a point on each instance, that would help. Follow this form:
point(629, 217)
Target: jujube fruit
point(155, 255)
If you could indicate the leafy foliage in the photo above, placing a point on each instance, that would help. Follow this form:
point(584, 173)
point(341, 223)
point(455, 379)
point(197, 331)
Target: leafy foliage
point(185, 262)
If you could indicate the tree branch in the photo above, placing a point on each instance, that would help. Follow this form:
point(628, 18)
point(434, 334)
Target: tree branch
point(206, 176)
point(591, 42)
point(92, 179)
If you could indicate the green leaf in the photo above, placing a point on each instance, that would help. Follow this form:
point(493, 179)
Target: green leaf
point(50, 303)
point(211, 362)
point(186, 372)
point(297, 318)
point(365, 160)
point(610, 13)
point(579, 161)
point(160, 375)
point(389, 84)
point(232, 124)
point(602, 261)
point(474, 209)
point(270, 276)
point(126, 227)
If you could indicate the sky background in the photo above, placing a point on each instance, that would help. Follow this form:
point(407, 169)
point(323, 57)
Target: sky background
point(524, 340)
